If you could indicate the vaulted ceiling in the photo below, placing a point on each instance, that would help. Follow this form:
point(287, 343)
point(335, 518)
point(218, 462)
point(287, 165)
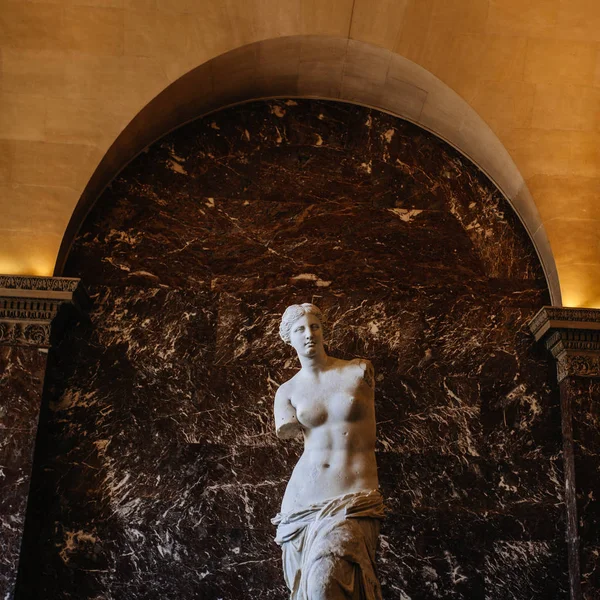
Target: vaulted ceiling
point(74, 73)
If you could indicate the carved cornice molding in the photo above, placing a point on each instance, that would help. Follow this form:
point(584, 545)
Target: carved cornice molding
point(29, 305)
point(46, 284)
point(573, 337)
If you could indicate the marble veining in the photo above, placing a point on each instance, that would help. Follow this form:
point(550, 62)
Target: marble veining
point(584, 396)
point(21, 377)
point(161, 470)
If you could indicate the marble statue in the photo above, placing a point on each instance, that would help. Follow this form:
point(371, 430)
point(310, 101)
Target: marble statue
point(329, 520)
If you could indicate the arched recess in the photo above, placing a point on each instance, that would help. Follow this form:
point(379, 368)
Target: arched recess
point(329, 68)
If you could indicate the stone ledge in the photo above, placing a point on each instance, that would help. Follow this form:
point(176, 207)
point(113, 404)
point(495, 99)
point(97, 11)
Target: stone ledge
point(29, 306)
point(32, 283)
point(573, 337)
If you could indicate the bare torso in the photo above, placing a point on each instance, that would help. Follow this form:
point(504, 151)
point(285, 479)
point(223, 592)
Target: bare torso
point(335, 412)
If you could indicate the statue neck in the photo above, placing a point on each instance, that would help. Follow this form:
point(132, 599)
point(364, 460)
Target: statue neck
point(312, 365)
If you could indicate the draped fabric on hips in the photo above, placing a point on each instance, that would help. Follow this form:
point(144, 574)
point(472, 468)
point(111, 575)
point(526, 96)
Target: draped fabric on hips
point(331, 510)
point(338, 536)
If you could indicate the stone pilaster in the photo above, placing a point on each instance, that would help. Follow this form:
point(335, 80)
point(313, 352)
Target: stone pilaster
point(32, 312)
point(572, 335)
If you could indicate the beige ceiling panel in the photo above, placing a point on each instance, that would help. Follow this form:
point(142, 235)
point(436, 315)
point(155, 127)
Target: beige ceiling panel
point(33, 26)
point(85, 121)
point(560, 61)
point(263, 19)
point(142, 33)
point(43, 209)
point(7, 151)
point(378, 23)
point(22, 116)
point(75, 75)
point(523, 18)
point(466, 16)
point(217, 32)
point(504, 104)
point(326, 18)
point(51, 206)
point(30, 26)
point(574, 240)
point(585, 154)
point(175, 39)
point(580, 289)
point(564, 197)
point(471, 58)
point(109, 78)
point(579, 20)
point(93, 30)
point(102, 3)
point(28, 252)
point(139, 4)
point(566, 107)
point(431, 51)
point(51, 164)
point(39, 72)
point(413, 39)
point(184, 6)
point(538, 151)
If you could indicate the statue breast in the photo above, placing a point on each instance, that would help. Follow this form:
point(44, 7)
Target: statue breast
point(347, 407)
point(311, 412)
point(339, 407)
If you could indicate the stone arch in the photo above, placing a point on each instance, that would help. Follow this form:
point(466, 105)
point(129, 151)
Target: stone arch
point(310, 66)
point(192, 254)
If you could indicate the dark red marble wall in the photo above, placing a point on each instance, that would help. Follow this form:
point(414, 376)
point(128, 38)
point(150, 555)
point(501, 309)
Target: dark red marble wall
point(161, 470)
point(583, 395)
point(21, 378)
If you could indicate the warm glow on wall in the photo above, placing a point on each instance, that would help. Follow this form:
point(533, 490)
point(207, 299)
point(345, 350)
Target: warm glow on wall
point(579, 290)
point(28, 254)
point(39, 267)
point(572, 299)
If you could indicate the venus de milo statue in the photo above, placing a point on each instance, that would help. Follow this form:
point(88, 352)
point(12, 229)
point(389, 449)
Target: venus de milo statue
point(330, 514)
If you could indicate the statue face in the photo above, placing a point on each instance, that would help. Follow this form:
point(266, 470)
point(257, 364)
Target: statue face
point(306, 335)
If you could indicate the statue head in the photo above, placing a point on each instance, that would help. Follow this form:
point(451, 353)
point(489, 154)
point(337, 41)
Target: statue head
point(307, 334)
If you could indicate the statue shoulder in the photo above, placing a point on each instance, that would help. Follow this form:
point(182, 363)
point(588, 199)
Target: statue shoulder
point(285, 389)
point(365, 370)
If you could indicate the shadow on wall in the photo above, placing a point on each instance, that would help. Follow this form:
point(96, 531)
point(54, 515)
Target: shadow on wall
point(160, 470)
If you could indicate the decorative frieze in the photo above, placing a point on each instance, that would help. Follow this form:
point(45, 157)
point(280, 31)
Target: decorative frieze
point(573, 337)
point(47, 284)
point(29, 305)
